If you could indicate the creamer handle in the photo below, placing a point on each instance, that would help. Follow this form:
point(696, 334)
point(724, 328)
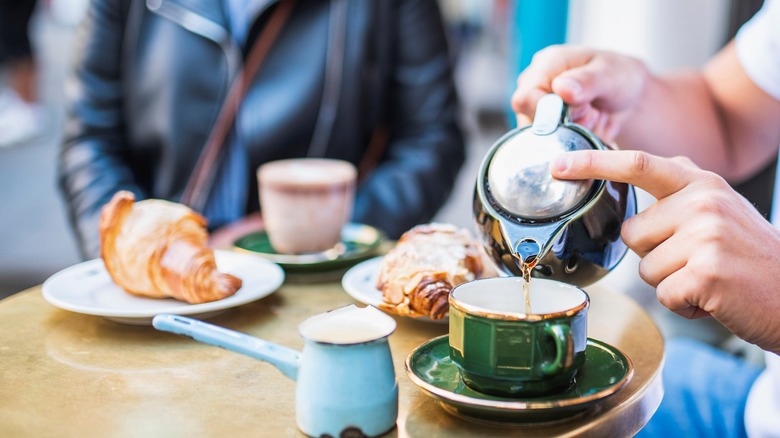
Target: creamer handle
point(285, 359)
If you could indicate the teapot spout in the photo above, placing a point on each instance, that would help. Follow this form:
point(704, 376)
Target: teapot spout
point(527, 250)
point(527, 243)
point(285, 359)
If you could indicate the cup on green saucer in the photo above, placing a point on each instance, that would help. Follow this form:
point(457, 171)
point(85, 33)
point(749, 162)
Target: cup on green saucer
point(504, 347)
point(605, 372)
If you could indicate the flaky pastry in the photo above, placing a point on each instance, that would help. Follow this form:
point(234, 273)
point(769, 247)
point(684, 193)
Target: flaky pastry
point(156, 248)
point(417, 275)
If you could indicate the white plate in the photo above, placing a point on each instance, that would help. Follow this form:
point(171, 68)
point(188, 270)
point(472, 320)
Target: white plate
point(87, 288)
point(360, 283)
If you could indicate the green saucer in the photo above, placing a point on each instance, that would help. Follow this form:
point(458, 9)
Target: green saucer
point(605, 372)
point(358, 243)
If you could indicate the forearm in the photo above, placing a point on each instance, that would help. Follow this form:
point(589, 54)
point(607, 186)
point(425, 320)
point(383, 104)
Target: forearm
point(676, 115)
point(411, 186)
point(89, 175)
point(717, 117)
point(93, 161)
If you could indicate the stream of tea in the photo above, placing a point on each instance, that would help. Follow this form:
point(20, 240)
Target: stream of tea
point(526, 266)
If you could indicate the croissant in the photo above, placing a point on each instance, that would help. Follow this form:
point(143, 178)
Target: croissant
point(155, 248)
point(417, 275)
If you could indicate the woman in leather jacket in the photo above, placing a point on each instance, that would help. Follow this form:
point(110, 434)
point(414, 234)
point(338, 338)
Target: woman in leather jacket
point(369, 82)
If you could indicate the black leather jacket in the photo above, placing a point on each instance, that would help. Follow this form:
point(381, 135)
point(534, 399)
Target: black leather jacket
point(151, 77)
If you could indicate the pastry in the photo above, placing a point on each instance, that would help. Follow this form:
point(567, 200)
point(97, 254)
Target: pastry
point(156, 248)
point(417, 275)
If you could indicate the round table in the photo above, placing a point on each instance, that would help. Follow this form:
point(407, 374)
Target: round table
point(68, 374)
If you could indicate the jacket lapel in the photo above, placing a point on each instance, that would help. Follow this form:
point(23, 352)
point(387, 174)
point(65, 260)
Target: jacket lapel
point(211, 10)
point(204, 17)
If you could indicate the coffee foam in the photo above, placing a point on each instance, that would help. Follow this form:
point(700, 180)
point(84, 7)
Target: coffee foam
point(307, 172)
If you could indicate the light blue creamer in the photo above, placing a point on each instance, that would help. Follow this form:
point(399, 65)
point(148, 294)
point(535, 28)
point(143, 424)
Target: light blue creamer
point(345, 375)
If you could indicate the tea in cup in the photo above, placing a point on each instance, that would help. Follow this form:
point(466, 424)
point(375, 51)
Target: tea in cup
point(305, 202)
point(501, 349)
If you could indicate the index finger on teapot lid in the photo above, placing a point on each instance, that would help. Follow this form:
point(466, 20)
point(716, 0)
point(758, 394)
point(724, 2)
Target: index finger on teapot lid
point(658, 176)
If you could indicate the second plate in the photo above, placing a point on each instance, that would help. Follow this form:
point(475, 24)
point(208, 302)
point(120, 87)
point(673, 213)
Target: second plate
point(360, 283)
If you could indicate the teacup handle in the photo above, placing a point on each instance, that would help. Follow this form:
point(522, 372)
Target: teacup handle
point(564, 350)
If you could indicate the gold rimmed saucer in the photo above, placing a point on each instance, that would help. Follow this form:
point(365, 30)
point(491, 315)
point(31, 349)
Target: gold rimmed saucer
point(605, 372)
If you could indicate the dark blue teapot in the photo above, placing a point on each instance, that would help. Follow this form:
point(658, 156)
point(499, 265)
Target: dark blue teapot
point(565, 230)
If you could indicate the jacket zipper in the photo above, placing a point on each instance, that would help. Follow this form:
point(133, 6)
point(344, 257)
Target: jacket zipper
point(334, 66)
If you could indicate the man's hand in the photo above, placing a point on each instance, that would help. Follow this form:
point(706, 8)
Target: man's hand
point(600, 87)
point(703, 246)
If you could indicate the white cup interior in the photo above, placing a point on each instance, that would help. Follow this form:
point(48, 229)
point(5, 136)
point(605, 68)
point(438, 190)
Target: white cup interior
point(504, 296)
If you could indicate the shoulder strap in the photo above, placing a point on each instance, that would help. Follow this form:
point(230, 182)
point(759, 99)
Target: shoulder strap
point(196, 191)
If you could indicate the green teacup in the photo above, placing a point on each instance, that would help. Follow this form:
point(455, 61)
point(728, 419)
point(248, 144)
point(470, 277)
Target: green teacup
point(501, 350)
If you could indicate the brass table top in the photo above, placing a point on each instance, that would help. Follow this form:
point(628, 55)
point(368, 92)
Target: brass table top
point(68, 374)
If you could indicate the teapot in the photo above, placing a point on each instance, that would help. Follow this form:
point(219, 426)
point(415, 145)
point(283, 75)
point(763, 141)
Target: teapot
point(346, 382)
point(569, 229)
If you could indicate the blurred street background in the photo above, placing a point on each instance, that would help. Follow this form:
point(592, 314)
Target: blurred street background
point(493, 40)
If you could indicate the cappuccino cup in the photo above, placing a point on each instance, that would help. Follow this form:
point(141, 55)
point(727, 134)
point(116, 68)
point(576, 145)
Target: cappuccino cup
point(502, 350)
point(305, 202)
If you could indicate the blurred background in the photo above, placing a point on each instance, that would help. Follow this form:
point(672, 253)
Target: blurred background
point(492, 41)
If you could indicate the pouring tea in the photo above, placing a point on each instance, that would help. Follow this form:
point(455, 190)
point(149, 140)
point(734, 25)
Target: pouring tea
point(345, 377)
point(533, 224)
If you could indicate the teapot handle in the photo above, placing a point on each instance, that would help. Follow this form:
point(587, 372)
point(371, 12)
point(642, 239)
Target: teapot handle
point(550, 113)
point(285, 359)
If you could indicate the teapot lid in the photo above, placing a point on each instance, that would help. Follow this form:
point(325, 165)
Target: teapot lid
point(518, 173)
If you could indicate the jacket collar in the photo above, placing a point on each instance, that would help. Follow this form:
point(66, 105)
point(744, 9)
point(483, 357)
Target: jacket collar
point(211, 10)
point(206, 17)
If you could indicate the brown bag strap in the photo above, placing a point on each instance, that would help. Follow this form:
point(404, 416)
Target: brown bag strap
point(374, 151)
point(197, 188)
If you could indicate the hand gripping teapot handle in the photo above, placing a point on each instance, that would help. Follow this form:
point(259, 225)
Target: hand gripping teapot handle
point(285, 359)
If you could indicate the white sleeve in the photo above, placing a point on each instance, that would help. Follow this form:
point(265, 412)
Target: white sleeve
point(758, 48)
point(758, 51)
point(762, 413)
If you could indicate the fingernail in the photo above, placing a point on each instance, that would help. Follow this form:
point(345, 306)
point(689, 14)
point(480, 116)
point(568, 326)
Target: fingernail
point(571, 85)
point(559, 164)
